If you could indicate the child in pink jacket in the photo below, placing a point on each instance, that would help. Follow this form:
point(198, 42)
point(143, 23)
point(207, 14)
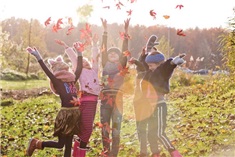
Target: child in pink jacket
point(89, 89)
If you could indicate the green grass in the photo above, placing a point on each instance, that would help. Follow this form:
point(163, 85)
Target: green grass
point(21, 85)
point(201, 122)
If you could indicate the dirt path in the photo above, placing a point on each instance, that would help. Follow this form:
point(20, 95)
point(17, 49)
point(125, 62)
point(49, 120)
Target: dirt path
point(23, 94)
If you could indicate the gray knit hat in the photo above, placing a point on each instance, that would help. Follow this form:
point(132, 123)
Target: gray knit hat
point(114, 49)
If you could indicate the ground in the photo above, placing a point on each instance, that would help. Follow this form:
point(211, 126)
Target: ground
point(21, 94)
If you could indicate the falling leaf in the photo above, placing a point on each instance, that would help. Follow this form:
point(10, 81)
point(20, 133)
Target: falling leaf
point(179, 6)
point(70, 30)
point(106, 7)
point(47, 22)
point(153, 14)
point(180, 32)
point(75, 101)
point(129, 12)
point(166, 16)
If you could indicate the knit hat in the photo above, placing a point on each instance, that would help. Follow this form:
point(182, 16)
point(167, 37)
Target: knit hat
point(58, 64)
point(61, 71)
point(114, 49)
point(154, 58)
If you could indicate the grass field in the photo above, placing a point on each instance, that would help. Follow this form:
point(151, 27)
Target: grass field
point(201, 121)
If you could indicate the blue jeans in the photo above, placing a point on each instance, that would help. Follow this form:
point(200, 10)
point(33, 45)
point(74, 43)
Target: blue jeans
point(111, 110)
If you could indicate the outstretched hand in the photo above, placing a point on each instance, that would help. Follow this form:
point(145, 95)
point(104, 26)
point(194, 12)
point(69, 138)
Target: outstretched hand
point(132, 60)
point(126, 25)
point(95, 39)
point(62, 43)
point(104, 23)
point(178, 60)
point(79, 46)
point(34, 52)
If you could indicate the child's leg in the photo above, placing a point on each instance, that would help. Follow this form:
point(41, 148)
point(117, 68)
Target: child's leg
point(161, 114)
point(152, 135)
point(88, 110)
point(54, 144)
point(105, 115)
point(68, 146)
point(142, 135)
point(116, 129)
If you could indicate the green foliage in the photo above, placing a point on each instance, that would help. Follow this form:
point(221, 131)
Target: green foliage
point(165, 47)
point(228, 43)
point(185, 79)
point(85, 11)
point(23, 85)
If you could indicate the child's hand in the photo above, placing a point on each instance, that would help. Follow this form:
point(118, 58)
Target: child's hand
point(104, 23)
point(132, 60)
point(126, 25)
point(79, 46)
point(178, 60)
point(61, 43)
point(34, 52)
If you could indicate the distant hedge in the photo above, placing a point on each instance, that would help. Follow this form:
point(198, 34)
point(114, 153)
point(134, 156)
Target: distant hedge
point(8, 74)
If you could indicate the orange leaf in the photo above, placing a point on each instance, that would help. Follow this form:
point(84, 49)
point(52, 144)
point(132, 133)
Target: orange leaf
point(75, 101)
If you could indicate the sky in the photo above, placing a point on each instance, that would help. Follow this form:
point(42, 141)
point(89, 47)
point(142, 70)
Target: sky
point(194, 13)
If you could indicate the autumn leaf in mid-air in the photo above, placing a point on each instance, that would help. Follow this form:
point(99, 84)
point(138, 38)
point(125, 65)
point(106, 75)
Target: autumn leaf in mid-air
point(180, 32)
point(106, 7)
point(153, 14)
point(54, 28)
point(132, 1)
point(75, 101)
point(47, 22)
point(179, 6)
point(118, 5)
point(59, 22)
point(166, 16)
point(123, 71)
point(70, 30)
point(99, 125)
point(127, 53)
point(129, 12)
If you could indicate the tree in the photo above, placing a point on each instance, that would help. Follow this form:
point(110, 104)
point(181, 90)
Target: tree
point(228, 43)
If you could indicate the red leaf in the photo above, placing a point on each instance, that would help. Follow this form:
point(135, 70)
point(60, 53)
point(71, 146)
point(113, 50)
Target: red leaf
point(180, 32)
point(179, 6)
point(47, 22)
point(153, 14)
point(129, 12)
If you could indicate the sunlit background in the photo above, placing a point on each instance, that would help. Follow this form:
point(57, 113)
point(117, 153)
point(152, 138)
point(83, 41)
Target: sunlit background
point(194, 13)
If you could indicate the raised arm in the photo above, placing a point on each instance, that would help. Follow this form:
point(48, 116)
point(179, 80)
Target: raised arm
point(123, 58)
point(79, 57)
point(104, 55)
point(95, 53)
point(37, 55)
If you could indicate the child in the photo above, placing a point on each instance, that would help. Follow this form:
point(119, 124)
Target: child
point(66, 122)
point(113, 61)
point(158, 76)
point(89, 88)
point(146, 128)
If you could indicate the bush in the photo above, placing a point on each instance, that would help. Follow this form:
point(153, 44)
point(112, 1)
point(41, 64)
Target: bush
point(12, 75)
